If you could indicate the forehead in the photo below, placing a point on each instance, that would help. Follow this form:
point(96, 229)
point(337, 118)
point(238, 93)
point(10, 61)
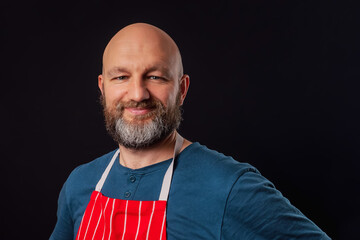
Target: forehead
point(137, 55)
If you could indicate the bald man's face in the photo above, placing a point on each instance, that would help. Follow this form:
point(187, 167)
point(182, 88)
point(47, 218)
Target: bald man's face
point(141, 81)
point(138, 72)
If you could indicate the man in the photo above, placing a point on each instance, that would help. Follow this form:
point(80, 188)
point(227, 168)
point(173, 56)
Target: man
point(159, 185)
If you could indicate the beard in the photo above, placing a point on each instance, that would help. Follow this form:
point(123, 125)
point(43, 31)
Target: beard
point(145, 130)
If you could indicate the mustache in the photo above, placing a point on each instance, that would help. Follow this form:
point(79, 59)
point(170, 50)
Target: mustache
point(152, 104)
point(149, 103)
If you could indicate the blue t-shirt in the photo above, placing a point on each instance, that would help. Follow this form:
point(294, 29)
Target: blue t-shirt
point(212, 196)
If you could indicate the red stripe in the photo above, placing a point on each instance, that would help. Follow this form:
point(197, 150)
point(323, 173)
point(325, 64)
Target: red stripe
point(118, 219)
point(163, 227)
point(111, 219)
point(146, 208)
point(132, 219)
point(104, 217)
point(125, 219)
point(98, 230)
point(150, 220)
point(157, 220)
point(139, 221)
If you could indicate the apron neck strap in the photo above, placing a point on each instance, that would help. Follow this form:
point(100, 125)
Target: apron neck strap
point(100, 184)
point(165, 188)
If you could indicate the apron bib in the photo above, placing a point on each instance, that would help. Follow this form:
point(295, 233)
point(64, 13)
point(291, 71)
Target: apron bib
point(116, 219)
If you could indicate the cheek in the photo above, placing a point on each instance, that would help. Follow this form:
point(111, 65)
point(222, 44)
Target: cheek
point(166, 94)
point(174, 96)
point(113, 95)
point(168, 98)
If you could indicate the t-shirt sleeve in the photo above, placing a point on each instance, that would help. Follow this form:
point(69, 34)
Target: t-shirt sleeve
point(256, 210)
point(64, 226)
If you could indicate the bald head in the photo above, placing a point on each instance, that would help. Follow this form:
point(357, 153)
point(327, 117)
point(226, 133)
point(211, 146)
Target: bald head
point(139, 43)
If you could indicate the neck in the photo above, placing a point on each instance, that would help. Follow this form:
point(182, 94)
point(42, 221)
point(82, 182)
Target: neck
point(140, 158)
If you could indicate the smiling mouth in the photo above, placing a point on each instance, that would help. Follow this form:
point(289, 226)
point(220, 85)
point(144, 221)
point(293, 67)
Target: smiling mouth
point(139, 111)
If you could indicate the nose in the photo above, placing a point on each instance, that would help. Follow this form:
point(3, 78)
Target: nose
point(137, 90)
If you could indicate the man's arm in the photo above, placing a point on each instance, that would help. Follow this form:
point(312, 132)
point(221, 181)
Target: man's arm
point(64, 226)
point(256, 210)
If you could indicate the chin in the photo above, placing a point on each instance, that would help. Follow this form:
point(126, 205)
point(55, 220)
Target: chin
point(138, 120)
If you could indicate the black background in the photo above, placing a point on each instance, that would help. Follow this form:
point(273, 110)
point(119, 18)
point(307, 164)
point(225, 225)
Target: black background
point(273, 83)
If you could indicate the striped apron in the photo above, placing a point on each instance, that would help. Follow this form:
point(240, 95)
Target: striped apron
point(114, 219)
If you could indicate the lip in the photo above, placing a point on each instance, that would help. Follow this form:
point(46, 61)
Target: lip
point(138, 111)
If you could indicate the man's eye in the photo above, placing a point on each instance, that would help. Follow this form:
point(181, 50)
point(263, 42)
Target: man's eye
point(121, 78)
point(154, 77)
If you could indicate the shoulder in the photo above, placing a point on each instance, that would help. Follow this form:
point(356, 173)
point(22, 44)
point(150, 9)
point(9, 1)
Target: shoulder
point(266, 213)
point(199, 157)
point(80, 184)
point(202, 181)
point(209, 169)
point(88, 174)
point(93, 168)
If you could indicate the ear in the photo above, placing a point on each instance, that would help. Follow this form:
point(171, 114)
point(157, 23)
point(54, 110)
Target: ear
point(101, 83)
point(184, 87)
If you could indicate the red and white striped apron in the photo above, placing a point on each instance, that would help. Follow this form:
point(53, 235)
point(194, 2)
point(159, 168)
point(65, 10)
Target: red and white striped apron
point(114, 219)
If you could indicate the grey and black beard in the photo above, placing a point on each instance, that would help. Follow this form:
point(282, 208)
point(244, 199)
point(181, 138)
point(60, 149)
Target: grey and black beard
point(139, 134)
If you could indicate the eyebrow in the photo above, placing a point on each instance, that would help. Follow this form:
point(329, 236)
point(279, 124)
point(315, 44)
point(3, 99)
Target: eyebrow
point(162, 69)
point(116, 70)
